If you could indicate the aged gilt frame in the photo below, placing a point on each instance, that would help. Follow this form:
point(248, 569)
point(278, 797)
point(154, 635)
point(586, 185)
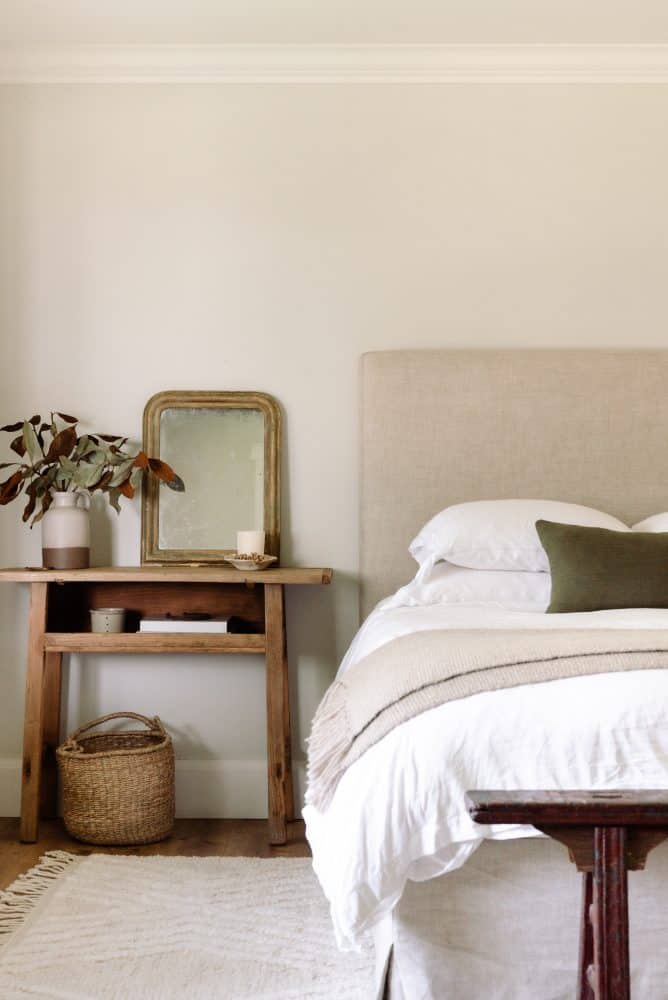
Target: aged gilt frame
point(150, 550)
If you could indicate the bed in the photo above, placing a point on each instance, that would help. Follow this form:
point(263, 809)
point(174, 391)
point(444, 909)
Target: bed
point(457, 911)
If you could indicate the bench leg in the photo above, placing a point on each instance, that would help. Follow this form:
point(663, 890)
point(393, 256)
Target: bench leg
point(51, 734)
point(586, 963)
point(280, 795)
point(33, 726)
point(611, 915)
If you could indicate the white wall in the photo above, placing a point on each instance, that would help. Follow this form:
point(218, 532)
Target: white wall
point(338, 21)
point(263, 237)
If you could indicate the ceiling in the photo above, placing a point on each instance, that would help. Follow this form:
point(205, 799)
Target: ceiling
point(143, 22)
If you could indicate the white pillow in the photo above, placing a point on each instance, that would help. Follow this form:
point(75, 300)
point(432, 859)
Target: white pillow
point(499, 534)
point(448, 584)
point(657, 522)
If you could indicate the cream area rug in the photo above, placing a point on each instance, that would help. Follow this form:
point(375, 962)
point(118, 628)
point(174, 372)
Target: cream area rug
point(159, 928)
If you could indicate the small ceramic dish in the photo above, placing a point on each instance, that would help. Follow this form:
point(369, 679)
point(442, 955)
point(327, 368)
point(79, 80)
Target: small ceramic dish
point(250, 563)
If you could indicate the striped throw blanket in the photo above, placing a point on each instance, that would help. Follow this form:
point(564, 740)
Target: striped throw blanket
point(420, 671)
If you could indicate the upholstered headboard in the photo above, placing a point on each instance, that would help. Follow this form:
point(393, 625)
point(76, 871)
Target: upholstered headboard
point(441, 427)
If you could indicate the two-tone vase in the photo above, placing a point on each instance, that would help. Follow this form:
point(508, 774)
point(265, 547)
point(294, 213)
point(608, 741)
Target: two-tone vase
point(66, 532)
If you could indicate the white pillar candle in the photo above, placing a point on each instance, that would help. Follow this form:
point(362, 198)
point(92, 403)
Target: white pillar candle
point(249, 542)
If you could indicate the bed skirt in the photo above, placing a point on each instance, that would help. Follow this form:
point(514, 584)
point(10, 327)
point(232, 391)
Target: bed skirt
point(506, 927)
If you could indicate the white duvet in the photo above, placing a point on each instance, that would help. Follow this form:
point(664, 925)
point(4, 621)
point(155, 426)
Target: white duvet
point(399, 813)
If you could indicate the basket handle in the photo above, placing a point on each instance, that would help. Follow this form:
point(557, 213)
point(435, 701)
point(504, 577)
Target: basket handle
point(154, 724)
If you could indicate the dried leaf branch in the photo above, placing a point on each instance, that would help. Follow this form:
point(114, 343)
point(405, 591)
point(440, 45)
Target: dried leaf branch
point(53, 456)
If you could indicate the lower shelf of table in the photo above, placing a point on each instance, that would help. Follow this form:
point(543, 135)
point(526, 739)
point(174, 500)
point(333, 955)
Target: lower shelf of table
point(142, 642)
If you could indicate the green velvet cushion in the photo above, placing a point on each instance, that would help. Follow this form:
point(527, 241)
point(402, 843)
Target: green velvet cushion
point(595, 568)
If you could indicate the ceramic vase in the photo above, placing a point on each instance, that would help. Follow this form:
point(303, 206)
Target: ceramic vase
point(66, 532)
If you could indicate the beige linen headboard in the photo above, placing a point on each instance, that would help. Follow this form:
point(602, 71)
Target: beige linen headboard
point(441, 427)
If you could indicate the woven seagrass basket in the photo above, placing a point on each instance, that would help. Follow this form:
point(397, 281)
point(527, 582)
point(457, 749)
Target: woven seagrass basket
point(118, 787)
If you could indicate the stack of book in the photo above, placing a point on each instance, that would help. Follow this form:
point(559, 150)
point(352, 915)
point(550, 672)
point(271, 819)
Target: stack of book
point(183, 623)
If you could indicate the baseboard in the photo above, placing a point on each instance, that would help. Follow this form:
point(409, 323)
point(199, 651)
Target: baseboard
point(10, 786)
point(207, 789)
point(227, 789)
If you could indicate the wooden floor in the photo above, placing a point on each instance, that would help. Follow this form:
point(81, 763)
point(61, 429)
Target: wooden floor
point(191, 837)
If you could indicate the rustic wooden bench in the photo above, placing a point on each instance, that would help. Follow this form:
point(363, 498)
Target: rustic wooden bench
point(607, 833)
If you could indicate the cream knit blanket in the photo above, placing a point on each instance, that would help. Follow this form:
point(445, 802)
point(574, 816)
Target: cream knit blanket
point(420, 671)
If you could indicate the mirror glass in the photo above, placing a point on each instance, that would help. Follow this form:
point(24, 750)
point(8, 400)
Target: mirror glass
point(220, 456)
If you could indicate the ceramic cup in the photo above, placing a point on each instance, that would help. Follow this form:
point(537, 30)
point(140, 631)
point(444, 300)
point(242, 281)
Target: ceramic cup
point(107, 619)
point(249, 542)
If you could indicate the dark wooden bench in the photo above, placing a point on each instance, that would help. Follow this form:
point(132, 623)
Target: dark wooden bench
point(607, 834)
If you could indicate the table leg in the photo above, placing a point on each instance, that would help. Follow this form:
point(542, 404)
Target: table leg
point(287, 729)
point(278, 716)
point(33, 727)
point(586, 963)
point(51, 709)
point(611, 915)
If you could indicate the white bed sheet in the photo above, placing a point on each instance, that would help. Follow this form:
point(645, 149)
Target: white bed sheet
point(398, 813)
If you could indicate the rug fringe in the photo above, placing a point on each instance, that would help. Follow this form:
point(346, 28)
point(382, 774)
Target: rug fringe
point(23, 895)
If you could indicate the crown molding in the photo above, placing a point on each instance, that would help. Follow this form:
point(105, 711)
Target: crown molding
point(236, 64)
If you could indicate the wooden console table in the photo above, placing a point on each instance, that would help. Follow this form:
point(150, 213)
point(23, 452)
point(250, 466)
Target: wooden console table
point(59, 622)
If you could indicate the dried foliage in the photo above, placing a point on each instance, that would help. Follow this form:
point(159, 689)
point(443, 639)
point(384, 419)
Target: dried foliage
point(55, 457)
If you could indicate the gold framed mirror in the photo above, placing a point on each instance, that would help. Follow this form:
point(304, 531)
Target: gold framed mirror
point(226, 448)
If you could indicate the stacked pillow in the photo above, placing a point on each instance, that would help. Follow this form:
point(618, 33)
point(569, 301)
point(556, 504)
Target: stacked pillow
point(499, 551)
point(445, 583)
point(655, 523)
point(499, 534)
